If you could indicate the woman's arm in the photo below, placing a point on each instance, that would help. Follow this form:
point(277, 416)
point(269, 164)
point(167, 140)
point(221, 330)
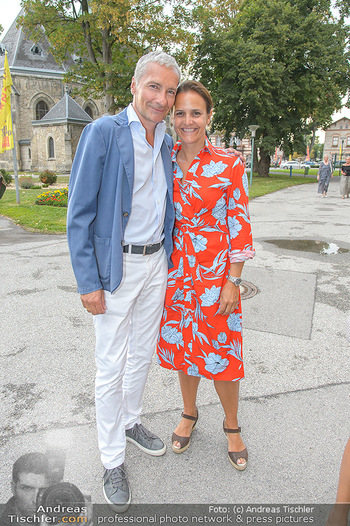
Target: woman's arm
point(229, 297)
point(240, 247)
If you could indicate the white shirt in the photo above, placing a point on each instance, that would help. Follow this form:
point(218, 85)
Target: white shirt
point(146, 221)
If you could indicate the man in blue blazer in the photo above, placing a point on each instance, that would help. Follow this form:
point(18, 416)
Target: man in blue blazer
point(119, 227)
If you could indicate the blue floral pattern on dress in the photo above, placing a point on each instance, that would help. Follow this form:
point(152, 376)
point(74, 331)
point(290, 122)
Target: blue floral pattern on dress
point(236, 194)
point(199, 242)
point(191, 261)
point(219, 211)
point(193, 370)
point(231, 204)
point(213, 168)
point(235, 350)
point(171, 335)
point(210, 296)
point(234, 226)
point(245, 184)
point(178, 210)
point(234, 322)
point(222, 337)
point(215, 364)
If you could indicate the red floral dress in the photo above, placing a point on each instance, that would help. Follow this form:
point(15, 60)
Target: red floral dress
point(212, 229)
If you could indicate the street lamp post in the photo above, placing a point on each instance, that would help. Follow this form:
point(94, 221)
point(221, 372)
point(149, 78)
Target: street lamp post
point(341, 152)
point(252, 128)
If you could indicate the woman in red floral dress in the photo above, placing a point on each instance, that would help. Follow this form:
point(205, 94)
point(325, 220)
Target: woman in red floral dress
point(201, 329)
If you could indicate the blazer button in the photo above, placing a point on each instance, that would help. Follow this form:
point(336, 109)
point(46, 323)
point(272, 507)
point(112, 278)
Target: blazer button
point(125, 214)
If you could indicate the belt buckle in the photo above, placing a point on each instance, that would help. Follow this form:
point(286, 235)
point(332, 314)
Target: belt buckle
point(148, 246)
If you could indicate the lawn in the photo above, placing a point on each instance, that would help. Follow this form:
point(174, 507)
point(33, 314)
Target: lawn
point(52, 220)
point(311, 171)
point(37, 218)
point(276, 181)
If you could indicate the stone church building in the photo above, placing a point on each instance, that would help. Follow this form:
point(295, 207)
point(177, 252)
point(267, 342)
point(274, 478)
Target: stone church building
point(47, 121)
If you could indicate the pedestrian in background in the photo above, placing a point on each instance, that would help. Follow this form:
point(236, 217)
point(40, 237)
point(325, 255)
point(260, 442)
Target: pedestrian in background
point(325, 172)
point(345, 179)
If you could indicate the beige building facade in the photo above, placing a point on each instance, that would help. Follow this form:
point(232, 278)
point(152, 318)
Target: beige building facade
point(241, 145)
point(337, 140)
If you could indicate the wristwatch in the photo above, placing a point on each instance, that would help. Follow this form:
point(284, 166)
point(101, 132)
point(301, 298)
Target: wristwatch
point(235, 281)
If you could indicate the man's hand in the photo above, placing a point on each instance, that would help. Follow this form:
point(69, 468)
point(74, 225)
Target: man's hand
point(94, 302)
point(237, 153)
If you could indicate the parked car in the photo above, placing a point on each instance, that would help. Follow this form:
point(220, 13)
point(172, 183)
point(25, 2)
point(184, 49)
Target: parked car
point(293, 164)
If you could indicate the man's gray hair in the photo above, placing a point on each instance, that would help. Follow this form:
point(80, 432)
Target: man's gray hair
point(157, 57)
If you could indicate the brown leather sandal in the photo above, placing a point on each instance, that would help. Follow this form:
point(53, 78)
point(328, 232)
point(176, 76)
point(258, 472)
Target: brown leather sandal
point(235, 455)
point(184, 441)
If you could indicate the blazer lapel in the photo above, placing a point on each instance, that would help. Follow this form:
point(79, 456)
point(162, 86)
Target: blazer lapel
point(168, 168)
point(125, 145)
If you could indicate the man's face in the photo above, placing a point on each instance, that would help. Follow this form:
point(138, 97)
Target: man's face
point(26, 490)
point(154, 95)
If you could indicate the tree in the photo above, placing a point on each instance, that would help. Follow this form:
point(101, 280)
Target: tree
point(282, 64)
point(317, 150)
point(107, 37)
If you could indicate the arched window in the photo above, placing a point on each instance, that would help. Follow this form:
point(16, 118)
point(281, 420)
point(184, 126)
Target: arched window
point(51, 148)
point(41, 109)
point(89, 111)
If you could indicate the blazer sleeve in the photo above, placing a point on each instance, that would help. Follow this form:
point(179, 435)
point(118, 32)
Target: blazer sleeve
point(84, 185)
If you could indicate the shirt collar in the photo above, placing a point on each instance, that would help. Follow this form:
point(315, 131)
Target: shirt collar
point(133, 117)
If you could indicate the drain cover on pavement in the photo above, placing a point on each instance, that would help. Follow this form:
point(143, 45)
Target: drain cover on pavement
point(248, 290)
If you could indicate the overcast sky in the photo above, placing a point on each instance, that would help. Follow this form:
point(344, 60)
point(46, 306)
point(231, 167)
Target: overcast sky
point(9, 9)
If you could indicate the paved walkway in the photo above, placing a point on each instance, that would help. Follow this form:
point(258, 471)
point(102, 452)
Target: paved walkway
point(294, 408)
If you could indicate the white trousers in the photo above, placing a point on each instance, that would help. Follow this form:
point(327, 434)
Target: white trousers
point(126, 337)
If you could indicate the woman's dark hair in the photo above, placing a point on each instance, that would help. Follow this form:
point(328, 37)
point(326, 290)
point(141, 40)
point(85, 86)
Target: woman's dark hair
point(193, 85)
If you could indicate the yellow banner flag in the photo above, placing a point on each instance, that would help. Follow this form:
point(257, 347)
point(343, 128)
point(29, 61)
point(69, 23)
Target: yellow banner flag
point(6, 137)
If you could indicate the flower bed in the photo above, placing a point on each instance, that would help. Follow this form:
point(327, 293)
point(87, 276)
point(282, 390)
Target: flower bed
point(53, 198)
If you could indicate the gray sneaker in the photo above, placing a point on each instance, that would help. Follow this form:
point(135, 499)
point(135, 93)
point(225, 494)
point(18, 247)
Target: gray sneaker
point(145, 440)
point(116, 488)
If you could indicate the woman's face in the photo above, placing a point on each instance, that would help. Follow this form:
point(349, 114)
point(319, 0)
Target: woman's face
point(191, 118)
point(347, 160)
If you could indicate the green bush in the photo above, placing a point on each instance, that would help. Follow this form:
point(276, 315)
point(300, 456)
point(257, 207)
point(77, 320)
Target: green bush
point(48, 177)
point(26, 182)
point(6, 176)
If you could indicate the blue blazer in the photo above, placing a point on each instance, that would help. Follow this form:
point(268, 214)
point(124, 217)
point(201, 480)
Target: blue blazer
point(99, 205)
